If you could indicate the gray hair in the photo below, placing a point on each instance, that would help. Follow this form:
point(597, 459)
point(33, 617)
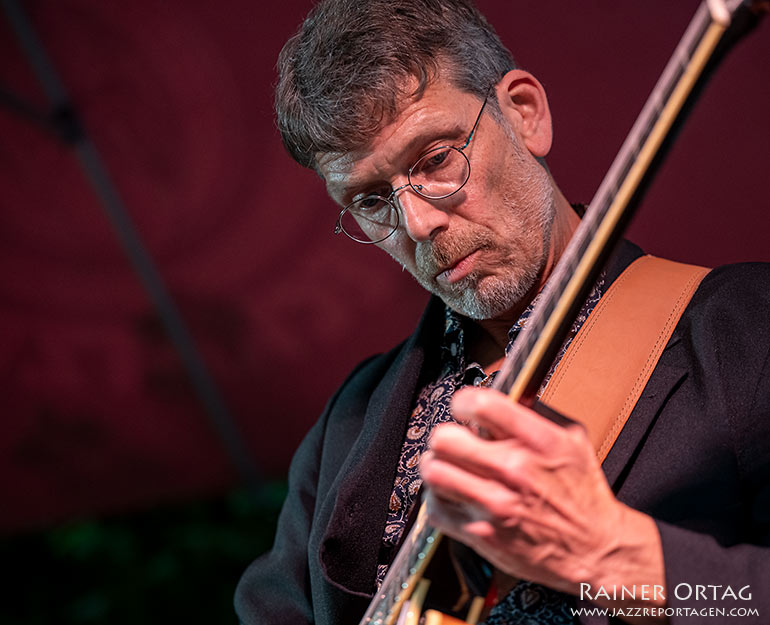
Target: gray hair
point(347, 71)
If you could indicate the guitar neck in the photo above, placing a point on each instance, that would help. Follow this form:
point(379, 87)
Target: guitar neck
point(610, 210)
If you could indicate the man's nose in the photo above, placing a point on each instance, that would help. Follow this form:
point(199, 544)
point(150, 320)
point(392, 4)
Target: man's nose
point(421, 218)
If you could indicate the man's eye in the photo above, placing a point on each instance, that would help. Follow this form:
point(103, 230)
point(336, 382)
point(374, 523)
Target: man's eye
point(371, 207)
point(432, 161)
point(369, 203)
point(437, 158)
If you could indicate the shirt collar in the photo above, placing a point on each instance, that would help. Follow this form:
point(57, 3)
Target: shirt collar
point(453, 346)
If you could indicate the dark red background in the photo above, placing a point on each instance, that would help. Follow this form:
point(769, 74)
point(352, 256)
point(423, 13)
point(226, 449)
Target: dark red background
point(97, 413)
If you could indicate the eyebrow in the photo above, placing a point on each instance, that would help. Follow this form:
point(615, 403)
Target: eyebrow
point(425, 136)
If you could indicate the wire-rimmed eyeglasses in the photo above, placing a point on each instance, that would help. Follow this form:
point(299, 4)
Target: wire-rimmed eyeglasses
point(438, 173)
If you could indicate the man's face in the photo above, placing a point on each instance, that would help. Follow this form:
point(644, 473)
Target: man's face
point(480, 250)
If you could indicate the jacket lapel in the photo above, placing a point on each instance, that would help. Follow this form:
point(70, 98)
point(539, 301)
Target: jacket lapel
point(350, 549)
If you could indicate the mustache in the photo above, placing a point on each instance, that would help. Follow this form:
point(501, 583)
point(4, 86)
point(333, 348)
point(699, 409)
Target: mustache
point(446, 249)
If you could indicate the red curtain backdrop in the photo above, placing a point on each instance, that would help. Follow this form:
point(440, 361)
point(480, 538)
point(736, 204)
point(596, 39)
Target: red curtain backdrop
point(98, 415)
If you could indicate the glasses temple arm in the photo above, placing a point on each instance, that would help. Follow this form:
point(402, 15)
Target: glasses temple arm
point(478, 119)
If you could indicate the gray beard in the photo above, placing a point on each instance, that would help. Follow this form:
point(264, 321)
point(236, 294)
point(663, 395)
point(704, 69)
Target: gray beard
point(480, 297)
point(485, 298)
point(495, 295)
point(488, 301)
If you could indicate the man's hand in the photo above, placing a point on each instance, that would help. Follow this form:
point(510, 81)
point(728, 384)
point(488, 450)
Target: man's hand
point(532, 499)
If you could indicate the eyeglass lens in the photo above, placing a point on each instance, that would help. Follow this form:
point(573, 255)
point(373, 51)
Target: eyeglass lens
point(437, 174)
point(440, 172)
point(369, 219)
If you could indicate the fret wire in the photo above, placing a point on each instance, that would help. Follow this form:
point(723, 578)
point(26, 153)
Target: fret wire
point(408, 558)
point(606, 193)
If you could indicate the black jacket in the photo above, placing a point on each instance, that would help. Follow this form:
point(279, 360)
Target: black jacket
point(694, 454)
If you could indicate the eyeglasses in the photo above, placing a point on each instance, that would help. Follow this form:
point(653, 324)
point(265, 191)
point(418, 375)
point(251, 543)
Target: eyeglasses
point(437, 174)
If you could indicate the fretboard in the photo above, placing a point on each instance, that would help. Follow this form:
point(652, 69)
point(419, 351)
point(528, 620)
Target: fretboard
point(608, 213)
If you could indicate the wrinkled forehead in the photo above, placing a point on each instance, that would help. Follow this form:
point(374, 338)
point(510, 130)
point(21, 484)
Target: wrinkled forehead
point(374, 109)
point(342, 171)
point(336, 168)
point(361, 144)
point(441, 111)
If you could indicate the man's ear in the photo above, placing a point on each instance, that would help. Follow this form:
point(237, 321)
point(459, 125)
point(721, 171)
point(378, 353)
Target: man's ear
point(524, 104)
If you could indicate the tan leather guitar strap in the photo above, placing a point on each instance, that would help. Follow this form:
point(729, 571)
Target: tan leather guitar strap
point(610, 360)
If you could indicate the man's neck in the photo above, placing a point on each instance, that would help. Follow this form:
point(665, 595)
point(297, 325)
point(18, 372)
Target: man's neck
point(486, 339)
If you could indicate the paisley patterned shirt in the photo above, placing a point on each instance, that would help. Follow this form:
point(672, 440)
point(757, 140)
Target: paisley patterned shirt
point(432, 408)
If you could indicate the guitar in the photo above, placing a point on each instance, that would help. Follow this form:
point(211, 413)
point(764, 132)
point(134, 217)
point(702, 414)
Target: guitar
point(716, 25)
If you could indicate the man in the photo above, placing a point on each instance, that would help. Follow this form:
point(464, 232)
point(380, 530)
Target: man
point(432, 143)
